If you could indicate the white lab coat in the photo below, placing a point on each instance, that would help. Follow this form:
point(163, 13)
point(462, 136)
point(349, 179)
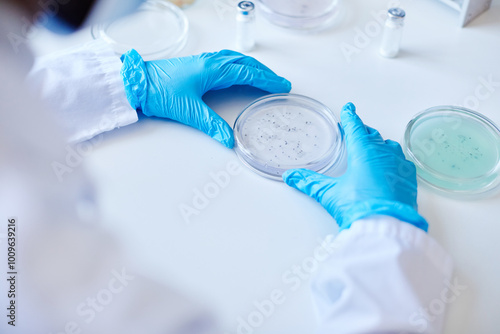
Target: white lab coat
point(384, 276)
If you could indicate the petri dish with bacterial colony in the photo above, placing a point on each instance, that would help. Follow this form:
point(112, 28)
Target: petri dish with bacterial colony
point(456, 151)
point(158, 29)
point(283, 131)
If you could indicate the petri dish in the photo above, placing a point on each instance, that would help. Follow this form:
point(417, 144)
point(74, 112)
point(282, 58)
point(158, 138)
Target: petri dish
point(182, 3)
point(456, 151)
point(301, 14)
point(283, 131)
point(158, 29)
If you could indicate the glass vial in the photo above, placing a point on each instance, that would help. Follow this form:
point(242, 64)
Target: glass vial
point(393, 31)
point(245, 30)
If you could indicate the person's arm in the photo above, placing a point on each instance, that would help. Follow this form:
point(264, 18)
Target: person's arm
point(91, 91)
point(385, 275)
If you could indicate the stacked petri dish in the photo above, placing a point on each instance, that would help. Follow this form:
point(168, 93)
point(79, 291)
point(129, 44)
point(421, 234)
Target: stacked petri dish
point(456, 151)
point(306, 15)
point(285, 131)
point(159, 29)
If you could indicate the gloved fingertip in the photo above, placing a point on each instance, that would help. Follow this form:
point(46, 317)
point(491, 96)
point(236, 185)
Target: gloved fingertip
point(309, 182)
point(214, 126)
point(228, 142)
point(298, 177)
point(281, 85)
point(286, 175)
point(393, 144)
point(291, 175)
point(224, 137)
point(351, 122)
point(350, 108)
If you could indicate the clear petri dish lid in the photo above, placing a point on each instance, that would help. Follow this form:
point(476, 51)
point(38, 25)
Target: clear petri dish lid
point(284, 131)
point(159, 29)
point(456, 151)
point(301, 14)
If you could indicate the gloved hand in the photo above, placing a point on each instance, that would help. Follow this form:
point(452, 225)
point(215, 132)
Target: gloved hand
point(173, 88)
point(378, 181)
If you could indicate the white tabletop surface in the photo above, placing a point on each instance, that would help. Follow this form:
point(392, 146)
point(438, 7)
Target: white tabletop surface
point(235, 251)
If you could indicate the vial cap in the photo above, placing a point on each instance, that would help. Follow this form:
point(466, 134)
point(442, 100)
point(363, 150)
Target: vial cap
point(396, 13)
point(246, 7)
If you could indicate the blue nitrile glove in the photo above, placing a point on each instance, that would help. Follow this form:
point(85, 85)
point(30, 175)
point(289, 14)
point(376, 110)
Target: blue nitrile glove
point(172, 88)
point(378, 181)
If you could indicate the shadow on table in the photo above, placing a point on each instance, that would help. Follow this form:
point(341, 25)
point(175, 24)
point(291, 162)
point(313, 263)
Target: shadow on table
point(230, 102)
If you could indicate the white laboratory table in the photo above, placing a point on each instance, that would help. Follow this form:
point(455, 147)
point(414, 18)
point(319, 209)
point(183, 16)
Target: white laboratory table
point(235, 250)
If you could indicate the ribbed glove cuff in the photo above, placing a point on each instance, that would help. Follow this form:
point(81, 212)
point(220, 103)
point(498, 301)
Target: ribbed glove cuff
point(366, 209)
point(134, 75)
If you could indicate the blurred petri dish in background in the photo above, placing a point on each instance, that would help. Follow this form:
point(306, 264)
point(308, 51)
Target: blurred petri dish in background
point(456, 151)
point(182, 3)
point(309, 15)
point(283, 131)
point(159, 29)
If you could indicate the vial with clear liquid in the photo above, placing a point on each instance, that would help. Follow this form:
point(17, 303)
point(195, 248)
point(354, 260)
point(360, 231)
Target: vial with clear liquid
point(393, 31)
point(245, 30)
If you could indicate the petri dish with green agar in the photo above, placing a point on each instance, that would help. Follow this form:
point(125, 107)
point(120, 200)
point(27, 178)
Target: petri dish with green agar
point(283, 131)
point(455, 150)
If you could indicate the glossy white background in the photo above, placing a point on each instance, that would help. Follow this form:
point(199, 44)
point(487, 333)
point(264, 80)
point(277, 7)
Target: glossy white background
point(235, 251)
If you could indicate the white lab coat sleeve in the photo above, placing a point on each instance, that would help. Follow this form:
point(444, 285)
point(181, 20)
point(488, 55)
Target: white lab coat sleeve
point(84, 89)
point(384, 276)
